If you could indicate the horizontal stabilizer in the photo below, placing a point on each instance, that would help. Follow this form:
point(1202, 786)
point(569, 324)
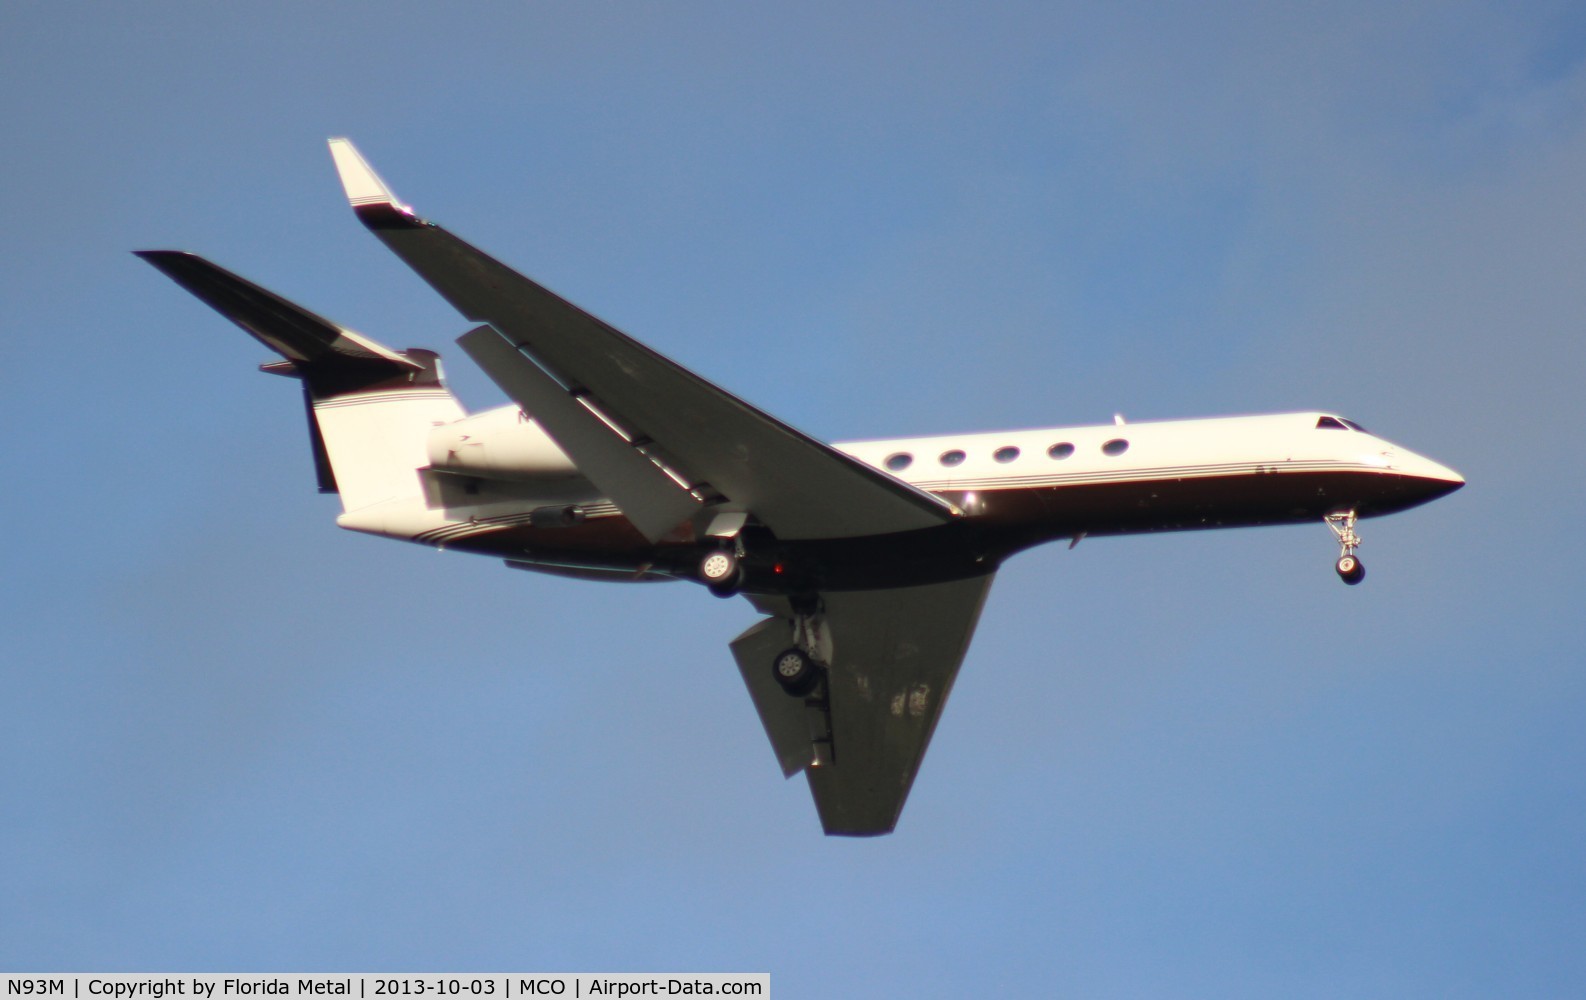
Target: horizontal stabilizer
point(370, 409)
point(284, 327)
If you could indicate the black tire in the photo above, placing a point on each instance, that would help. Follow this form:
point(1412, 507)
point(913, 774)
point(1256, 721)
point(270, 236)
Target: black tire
point(1350, 569)
point(721, 572)
point(795, 671)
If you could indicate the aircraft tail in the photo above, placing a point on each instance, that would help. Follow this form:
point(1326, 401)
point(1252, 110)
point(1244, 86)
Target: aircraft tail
point(370, 409)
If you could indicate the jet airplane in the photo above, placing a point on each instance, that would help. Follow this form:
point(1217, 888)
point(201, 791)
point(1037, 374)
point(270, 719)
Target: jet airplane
point(870, 560)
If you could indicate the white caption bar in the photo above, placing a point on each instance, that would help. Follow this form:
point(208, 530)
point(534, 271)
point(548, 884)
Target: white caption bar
point(377, 986)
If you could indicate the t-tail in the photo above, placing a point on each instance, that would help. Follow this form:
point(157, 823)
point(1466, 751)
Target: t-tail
point(370, 409)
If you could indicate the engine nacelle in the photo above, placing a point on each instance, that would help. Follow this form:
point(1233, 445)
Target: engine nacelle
point(564, 516)
point(499, 444)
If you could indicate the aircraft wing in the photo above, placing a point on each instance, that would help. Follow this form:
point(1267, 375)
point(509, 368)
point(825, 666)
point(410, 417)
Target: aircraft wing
point(706, 443)
point(892, 657)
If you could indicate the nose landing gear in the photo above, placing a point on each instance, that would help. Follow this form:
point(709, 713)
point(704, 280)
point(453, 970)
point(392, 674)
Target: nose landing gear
point(1350, 569)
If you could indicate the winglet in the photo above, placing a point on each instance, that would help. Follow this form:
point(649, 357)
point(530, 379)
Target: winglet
point(376, 206)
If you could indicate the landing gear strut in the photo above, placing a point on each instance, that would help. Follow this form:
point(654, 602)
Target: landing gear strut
point(1350, 569)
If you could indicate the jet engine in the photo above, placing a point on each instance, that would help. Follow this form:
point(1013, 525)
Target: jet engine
point(503, 443)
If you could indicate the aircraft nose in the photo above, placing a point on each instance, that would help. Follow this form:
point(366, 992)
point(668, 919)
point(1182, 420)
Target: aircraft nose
point(1438, 476)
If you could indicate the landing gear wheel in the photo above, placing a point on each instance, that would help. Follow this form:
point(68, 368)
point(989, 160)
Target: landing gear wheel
point(796, 672)
point(1350, 569)
point(721, 572)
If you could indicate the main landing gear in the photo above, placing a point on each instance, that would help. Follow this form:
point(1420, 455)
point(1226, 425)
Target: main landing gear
point(805, 677)
point(1350, 569)
point(721, 571)
point(799, 668)
point(796, 671)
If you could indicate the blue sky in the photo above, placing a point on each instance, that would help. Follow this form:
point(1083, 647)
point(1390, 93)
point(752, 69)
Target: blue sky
point(238, 738)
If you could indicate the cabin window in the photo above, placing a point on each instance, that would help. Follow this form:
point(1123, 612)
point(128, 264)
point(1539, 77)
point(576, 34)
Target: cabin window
point(1115, 447)
point(1330, 424)
point(954, 457)
point(902, 460)
point(1005, 454)
point(1061, 450)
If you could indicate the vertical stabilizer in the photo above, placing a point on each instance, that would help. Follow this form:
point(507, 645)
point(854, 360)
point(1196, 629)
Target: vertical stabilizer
point(376, 434)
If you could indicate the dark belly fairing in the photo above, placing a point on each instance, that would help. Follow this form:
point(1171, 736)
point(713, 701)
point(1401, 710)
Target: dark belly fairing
point(997, 524)
point(1241, 501)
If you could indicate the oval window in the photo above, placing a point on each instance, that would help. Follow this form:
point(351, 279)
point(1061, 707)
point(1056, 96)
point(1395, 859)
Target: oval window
point(1115, 447)
point(1061, 450)
point(1006, 454)
point(954, 457)
point(902, 460)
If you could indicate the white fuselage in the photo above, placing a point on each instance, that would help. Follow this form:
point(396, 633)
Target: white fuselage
point(1153, 450)
point(489, 473)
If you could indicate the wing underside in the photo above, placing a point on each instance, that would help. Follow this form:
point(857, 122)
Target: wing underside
point(892, 658)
